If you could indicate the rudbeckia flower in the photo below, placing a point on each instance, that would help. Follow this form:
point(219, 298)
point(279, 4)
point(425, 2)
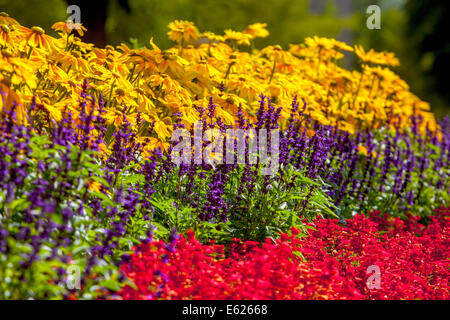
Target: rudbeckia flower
point(36, 37)
point(257, 30)
point(182, 30)
point(161, 129)
point(10, 99)
point(212, 37)
point(383, 58)
point(277, 53)
point(20, 70)
point(326, 48)
point(238, 37)
point(72, 59)
point(6, 36)
point(159, 82)
point(6, 19)
point(68, 26)
point(301, 51)
point(319, 43)
point(48, 106)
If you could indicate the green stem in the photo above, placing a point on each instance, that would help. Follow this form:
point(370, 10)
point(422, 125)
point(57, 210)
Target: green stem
point(228, 70)
point(359, 87)
point(137, 76)
point(40, 80)
point(67, 42)
point(181, 44)
point(318, 63)
point(131, 73)
point(273, 70)
point(29, 52)
point(111, 92)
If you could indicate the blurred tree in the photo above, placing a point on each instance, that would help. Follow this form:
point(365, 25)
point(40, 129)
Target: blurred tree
point(288, 21)
point(115, 21)
point(428, 26)
point(94, 15)
point(36, 12)
point(414, 31)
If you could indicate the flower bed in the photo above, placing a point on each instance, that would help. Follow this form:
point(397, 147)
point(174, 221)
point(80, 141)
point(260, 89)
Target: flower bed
point(93, 205)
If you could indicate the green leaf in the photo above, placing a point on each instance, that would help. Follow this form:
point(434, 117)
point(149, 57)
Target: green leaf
point(109, 132)
point(19, 204)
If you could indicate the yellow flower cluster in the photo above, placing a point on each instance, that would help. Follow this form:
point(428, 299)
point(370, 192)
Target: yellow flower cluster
point(158, 82)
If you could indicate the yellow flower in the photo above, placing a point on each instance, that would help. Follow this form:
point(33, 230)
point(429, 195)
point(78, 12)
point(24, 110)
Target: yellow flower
point(226, 117)
point(72, 59)
point(212, 37)
point(319, 42)
point(158, 82)
point(193, 54)
point(20, 69)
point(171, 63)
point(94, 186)
point(68, 26)
point(161, 129)
point(257, 30)
point(219, 51)
point(245, 86)
point(362, 149)
point(78, 44)
point(342, 45)
point(301, 51)
point(277, 53)
point(327, 48)
point(36, 37)
point(239, 37)
point(10, 99)
point(123, 97)
point(153, 143)
point(182, 30)
point(6, 19)
point(6, 37)
point(383, 58)
point(46, 104)
point(112, 59)
point(144, 104)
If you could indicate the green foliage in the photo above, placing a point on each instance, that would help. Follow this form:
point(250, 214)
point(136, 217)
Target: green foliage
point(272, 206)
point(25, 272)
point(421, 187)
point(405, 27)
point(43, 244)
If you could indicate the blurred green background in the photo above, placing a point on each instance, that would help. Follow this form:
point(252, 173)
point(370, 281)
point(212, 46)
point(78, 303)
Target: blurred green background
point(417, 31)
